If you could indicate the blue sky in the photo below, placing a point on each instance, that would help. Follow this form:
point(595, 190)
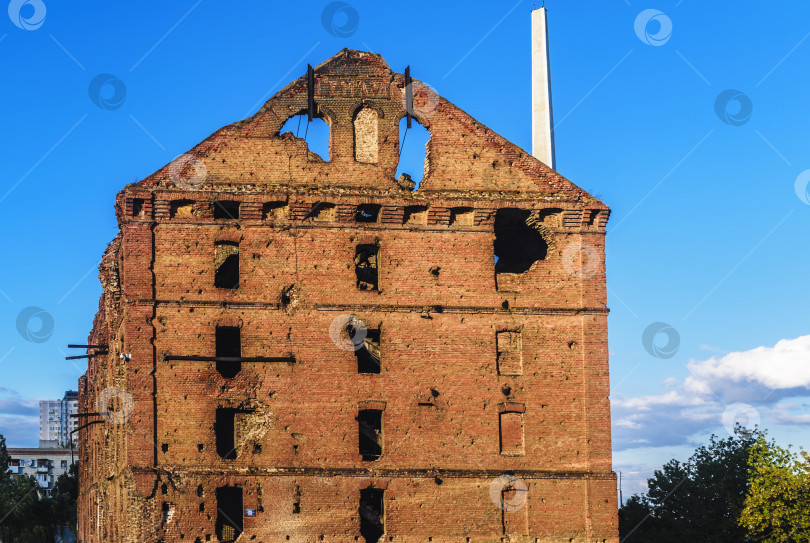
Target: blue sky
point(708, 227)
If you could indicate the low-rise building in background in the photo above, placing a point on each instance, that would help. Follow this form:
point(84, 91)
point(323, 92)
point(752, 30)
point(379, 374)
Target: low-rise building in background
point(45, 465)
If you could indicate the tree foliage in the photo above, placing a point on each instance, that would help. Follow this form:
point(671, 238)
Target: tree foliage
point(699, 500)
point(777, 504)
point(27, 514)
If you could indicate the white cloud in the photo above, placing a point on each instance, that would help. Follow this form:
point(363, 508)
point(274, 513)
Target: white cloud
point(783, 366)
point(760, 377)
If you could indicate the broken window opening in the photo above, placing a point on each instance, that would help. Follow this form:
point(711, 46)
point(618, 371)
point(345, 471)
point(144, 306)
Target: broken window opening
point(550, 217)
point(226, 209)
point(368, 354)
point(274, 210)
point(415, 215)
point(181, 209)
point(370, 431)
point(366, 262)
point(323, 212)
point(593, 214)
point(413, 154)
point(518, 243)
point(461, 216)
point(137, 207)
point(231, 429)
point(366, 139)
point(224, 431)
point(229, 513)
point(367, 213)
point(229, 344)
point(315, 134)
point(226, 263)
point(372, 514)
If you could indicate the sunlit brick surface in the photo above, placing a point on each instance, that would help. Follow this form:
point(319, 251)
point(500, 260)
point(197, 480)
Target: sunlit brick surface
point(452, 421)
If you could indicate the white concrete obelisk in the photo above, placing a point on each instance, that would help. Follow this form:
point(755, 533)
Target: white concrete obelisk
point(542, 118)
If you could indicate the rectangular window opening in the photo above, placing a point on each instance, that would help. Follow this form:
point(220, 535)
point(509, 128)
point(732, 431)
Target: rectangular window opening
point(367, 213)
point(370, 427)
point(274, 210)
point(372, 518)
point(226, 209)
point(226, 263)
point(228, 345)
point(229, 513)
point(323, 212)
point(461, 216)
point(366, 267)
point(415, 215)
point(368, 354)
point(179, 209)
point(137, 207)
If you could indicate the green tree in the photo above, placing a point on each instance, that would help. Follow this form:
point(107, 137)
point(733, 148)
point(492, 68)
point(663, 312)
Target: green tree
point(699, 500)
point(65, 497)
point(777, 504)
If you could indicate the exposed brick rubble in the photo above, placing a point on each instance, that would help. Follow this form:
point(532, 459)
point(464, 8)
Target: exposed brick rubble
point(478, 395)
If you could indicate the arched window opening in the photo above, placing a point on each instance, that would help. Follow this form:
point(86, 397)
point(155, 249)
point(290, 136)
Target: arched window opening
point(315, 134)
point(413, 154)
point(519, 242)
point(366, 136)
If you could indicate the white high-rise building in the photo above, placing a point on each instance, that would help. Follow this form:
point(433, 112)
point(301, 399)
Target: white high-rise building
point(55, 422)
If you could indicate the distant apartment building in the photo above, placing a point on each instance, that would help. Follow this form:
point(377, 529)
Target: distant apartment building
point(45, 465)
point(55, 422)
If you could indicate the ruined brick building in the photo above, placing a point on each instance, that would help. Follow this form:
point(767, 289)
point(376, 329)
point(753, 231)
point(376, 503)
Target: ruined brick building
point(292, 347)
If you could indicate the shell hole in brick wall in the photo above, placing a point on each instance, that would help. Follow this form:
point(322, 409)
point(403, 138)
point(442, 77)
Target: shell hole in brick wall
point(229, 513)
point(518, 244)
point(315, 133)
point(413, 155)
point(371, 514)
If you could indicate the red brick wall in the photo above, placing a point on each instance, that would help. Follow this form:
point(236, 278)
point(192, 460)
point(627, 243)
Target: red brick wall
point(447, 410)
